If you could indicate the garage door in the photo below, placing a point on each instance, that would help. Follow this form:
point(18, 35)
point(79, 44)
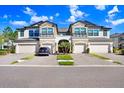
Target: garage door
point(49, 46)
point(78, 48)
point(99, 48)
point(27, 48)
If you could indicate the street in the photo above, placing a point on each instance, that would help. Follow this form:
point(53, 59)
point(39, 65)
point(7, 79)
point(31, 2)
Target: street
point(61, 77)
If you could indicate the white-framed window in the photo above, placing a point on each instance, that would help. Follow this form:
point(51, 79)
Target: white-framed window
point(47, 31)
point(80, 30)
point(33, 33)
point(93, 32)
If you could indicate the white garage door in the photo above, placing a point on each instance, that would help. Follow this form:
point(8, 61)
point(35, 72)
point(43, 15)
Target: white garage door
point(78, 48)
point(27, 48)
point(99, 48)
point(49, 46)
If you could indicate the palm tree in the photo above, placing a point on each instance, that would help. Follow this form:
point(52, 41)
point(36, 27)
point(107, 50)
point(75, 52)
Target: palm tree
point(64, 46)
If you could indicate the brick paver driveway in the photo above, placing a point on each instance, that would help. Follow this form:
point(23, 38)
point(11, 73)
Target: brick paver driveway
point(86, 59)
point(7, 59)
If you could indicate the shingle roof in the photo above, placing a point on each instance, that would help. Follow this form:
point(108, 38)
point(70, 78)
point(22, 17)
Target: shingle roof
point(25, 40)
point(100, 40)
point(63, 30)
point(90, 24)
point(117, 35)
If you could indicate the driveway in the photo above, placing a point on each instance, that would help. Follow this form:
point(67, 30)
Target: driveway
point(41, 60)
point(7, 59)
point(86, 59)
point(115, 57)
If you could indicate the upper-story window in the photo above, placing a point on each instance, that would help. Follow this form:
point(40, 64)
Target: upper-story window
point(90, 32)
point(33, 33)
point(21, 33)
point(50, 31)
point(104, 33)
point(93, 32)
point(96, 32)
point(80, 31)
point(47, 31)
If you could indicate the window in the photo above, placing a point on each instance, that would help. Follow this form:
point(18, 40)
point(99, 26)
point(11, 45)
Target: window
point(83, 31)
point(90, 32)
point(31, 33)
point(104, 33)
point(44, 31)
point(96, 32)
point(50, 31)
point(93, 32)
point(36, 32)
point(77, 31)
point(22, 33)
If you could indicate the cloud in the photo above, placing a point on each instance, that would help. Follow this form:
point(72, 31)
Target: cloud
point(29, 11)
point(19, 23)
point(112, 15)
point(72, 19)
point(75, 13)
point(114, 10)
point(38, 18)
point(57, 14)
point(5, 16)
point(100, 7)
point(51, 18)
point(117, 22)
point(35, 18)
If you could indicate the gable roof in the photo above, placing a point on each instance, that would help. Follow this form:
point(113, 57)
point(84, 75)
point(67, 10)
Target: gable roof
point(36, 25)
point(90, 24)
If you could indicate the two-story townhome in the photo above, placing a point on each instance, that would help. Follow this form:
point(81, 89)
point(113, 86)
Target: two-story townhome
point(118, 40)
point(81, 35)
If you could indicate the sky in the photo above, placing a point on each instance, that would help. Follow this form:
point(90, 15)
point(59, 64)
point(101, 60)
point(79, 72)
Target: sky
point(17, 16)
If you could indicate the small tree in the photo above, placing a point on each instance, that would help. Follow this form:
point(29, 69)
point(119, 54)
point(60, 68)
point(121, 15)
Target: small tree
point(64, 46)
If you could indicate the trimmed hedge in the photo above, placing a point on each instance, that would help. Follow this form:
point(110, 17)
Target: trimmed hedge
point(66, 63)
point(64, 57)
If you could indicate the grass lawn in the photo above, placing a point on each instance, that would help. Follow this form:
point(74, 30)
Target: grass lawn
point(66, 63)
point(28, 57)
point(99, 56)
point(117, 62)
point(14, 62)
point(64, 57)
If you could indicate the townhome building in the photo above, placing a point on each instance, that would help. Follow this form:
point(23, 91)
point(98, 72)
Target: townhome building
point(81, 35)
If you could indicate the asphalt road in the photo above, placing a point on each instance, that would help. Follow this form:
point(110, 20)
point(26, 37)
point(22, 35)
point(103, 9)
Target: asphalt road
point(63, 77)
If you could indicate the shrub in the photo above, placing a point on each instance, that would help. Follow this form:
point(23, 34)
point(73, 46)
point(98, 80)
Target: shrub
point(118, 51)
point(12, 51)
point(122, 51)
point(66, 63)
point(87, 50)
point(3, 53)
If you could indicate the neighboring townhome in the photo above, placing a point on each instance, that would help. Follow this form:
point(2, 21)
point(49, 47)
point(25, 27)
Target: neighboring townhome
point(118, 40)
point(81, 35)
